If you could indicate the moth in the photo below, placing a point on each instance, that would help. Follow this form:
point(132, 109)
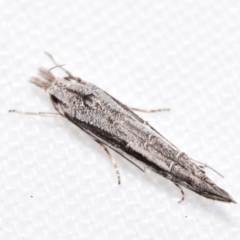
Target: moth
point(114, 125)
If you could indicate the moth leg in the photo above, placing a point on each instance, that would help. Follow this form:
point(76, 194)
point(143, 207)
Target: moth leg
point(112, 159)
point(181, 192)
point(150, 110)
point(204, 165)
point(61, 66)
point(43, 114)
point(143, 169)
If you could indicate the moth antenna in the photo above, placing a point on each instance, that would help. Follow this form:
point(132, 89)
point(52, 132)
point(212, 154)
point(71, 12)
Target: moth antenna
point(61, 66)
point(57, 66)
point(46, 74)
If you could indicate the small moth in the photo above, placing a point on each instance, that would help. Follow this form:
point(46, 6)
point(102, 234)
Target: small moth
point(114, 125)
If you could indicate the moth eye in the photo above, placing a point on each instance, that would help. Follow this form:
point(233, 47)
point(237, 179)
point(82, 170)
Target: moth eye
point(91, 101)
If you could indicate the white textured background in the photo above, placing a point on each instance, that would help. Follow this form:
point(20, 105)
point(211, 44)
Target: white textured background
point(55, 182)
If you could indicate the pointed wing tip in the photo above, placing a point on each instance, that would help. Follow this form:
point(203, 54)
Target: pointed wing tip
point(227, 198)
point(224, 196)
point(231, 200)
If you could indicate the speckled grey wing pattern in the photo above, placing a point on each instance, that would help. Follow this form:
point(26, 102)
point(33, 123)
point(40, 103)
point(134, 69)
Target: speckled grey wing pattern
point(109, 121)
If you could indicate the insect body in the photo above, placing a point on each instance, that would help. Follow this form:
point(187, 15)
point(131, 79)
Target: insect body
point(114, 125)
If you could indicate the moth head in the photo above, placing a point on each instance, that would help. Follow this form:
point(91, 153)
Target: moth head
point(67, 93)
point(44, 80)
